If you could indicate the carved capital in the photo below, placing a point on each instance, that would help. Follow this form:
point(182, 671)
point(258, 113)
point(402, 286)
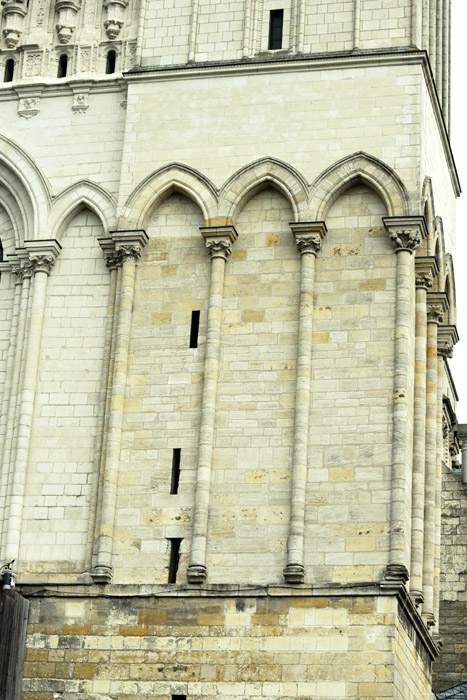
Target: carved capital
point(308, 236)
point(219, 240)
point(426, 269)
point(42, 255)
point(423, 280)
point(126, 245)
point(434, 313)
point(406, 232)
point(219, 248)
point(447, 339)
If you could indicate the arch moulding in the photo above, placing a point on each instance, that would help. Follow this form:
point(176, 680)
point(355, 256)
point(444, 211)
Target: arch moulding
point(81, 194)
point(358, 167)
point(154, 189)
point(247, 181)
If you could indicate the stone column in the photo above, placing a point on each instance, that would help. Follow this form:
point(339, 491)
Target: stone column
point(112, 263)
point(42, 255)
point(12, 358)
point(128, 249)
point(462, 437)
point(436, 307)
point(219, 240)
point(406, 234)
point(425, 269)
point(308, 236)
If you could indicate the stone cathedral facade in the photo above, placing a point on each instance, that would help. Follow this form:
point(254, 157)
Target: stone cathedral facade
point(227, 307)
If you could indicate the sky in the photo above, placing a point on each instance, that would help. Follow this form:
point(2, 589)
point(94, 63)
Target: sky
point(458, 364)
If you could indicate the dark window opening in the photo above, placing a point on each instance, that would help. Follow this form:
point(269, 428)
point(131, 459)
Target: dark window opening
point(110, 62)
point(1, 251)
point(276, 23)
point(62, 66)
point(175, 470)
point(178, 697)
point(175, 543)
point(194, 329)
point(9, 71)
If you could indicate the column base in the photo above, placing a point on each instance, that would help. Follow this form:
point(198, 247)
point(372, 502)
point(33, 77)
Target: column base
point(417, 597)
point(102, 574)
point(397, 573)
point(429, 619)
point(197, 573)
point(294, 573)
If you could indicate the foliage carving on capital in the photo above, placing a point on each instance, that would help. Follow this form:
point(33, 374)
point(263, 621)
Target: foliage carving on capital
point(42, 263)
point(434, 313)
point(124, 252)
point(423, 280)
point(219, 248)
point(406, 239)
point(310, 243)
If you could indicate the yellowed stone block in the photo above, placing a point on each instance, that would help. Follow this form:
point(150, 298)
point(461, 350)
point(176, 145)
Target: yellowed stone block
point(160, 319)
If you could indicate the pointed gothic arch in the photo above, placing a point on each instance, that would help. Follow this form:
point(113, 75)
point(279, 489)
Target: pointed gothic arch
point(154, 189)
point(79, 195)
point(428, 209)
point(247, 181)
point(358, 167)
point(25, 192)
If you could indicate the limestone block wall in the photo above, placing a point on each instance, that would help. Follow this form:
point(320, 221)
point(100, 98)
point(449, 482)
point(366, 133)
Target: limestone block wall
point(63, 443)
point(231, 647)
point(450, 669)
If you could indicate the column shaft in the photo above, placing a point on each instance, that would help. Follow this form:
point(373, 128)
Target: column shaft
point(430, 467)
point(406, 234)
point(42, 265)
point(219, 247)
point(438, 487)
point(418, 473)
point(357, 23)
point(7, 394)
point(246, 29)
point(308, 238)
point(301, 25)
point(193, 31)
point(99, 450)
point(103, 569)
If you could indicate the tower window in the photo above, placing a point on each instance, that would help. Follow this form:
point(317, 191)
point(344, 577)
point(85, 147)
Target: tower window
point(178, 697)
point(175, 470)
point(9, 71)
point(194, 329)
point(175, 543)
point(276, 24)
point(110, 62)
point(62, 66)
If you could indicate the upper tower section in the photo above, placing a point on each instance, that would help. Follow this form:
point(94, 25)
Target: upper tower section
point(65, 38)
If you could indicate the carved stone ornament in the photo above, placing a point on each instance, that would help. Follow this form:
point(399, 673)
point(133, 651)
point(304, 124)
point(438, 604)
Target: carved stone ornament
point(13, 13)
point(124, 252)
point(406, 239)
point(423, 280)
point(434, 313)
point(219, 248)
point(114, 10)
point(28, 107)
point(446, 349)
point(22, 271)
point(310, 243)
point(67, 11)
point(80, 103)
point(42, 263)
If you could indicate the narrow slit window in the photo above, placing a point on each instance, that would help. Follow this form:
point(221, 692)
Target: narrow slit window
point(175, 470)
point(194, 331)
point(110, 62)
point(276, 24)
point(62, 66)
point(9, 71)
point(175, 543)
